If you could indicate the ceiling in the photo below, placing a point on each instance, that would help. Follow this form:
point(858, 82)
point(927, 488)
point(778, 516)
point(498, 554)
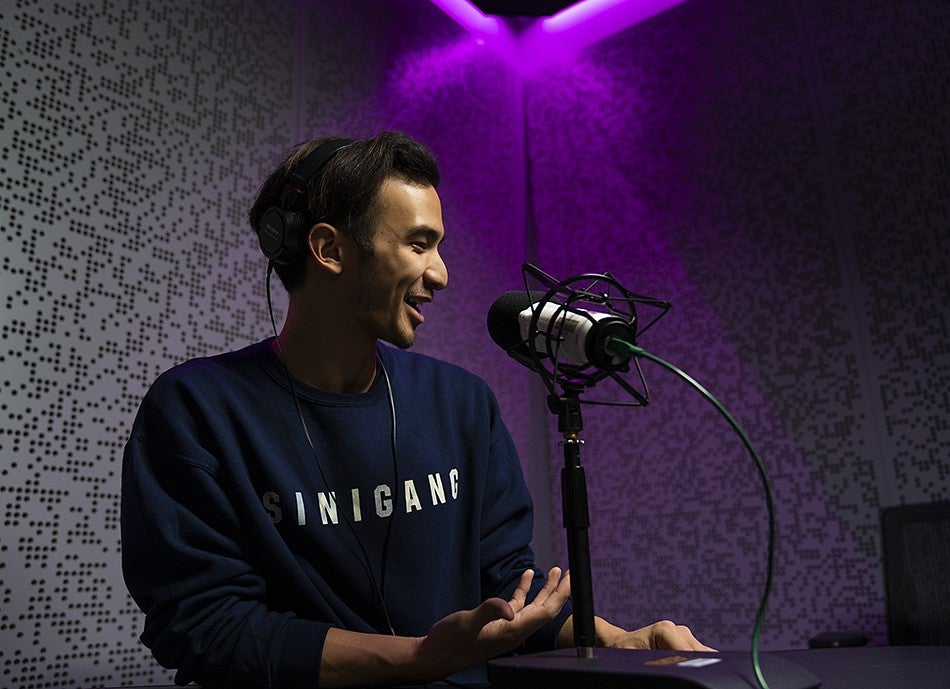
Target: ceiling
point(522, 8)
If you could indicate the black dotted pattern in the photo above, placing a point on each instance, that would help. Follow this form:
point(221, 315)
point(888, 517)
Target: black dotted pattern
point(134, 136)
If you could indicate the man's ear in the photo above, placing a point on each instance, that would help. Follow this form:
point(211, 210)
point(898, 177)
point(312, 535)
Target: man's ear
point(325, 244)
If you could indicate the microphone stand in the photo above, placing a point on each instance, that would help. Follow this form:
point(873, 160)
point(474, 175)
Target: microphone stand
point(576, 518)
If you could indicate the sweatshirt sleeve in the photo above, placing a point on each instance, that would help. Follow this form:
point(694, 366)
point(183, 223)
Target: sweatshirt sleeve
point(184, 564)
point(507, 528)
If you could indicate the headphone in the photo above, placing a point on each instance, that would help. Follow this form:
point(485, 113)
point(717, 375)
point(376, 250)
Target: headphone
point(282, 228)
point(379, 586)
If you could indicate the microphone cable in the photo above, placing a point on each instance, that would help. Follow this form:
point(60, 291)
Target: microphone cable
point(636, 351)
point(378, 587)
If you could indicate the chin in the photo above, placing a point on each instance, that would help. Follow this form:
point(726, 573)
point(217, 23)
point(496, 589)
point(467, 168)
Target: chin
point(402, 343)
point(403, 340)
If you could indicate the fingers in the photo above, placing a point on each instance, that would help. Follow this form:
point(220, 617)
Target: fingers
point(525, 616)
point(550, 585)
point(490, 610)
point(661, 635)
point(554, 585)
point(521, 590)
point(556, 589)
point(678, 637)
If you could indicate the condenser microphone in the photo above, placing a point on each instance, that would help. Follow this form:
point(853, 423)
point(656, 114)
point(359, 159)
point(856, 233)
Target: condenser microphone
point(566, 333)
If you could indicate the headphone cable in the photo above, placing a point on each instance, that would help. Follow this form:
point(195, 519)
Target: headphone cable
point(366, 563)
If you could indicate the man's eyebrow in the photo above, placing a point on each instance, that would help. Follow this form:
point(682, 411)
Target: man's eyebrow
point(430, 233)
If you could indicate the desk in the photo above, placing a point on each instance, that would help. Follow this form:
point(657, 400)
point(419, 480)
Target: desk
point(867, 667)
point(877, 667)
point(881, 667)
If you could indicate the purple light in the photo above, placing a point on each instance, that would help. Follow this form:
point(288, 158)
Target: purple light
point(579, 12)
point(617, 14)
point(469, 16)
point(487, 31)
point(554, 38)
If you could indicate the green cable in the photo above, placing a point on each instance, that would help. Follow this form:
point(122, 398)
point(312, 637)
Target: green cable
point(633, 350)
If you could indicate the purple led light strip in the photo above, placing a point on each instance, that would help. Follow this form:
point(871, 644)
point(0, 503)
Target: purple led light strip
point(544, 41)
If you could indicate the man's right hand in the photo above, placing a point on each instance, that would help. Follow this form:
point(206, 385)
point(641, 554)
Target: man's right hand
point(494, 627)
point(454, 643)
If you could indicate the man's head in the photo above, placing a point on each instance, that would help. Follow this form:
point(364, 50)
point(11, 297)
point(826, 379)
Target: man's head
point(345, 191)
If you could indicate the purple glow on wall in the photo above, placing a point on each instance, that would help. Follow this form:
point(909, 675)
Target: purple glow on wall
point(554, 38)
point(655, 138)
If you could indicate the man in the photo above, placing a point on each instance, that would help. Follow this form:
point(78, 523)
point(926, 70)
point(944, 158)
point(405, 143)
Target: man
point(321, 509)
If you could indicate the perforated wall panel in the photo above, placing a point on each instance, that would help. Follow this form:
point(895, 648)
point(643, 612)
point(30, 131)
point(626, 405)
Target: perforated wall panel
point(133, 136)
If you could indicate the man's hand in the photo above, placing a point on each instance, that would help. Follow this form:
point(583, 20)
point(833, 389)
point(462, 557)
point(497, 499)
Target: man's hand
point(494, 627)
point(659, 635)
point(453, 643)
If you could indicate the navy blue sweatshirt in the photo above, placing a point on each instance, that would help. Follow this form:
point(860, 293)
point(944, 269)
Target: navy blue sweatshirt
point(244, 546)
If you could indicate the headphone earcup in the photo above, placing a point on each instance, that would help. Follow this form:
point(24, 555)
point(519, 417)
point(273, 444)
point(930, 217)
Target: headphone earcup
point(282, 229)
point(281, 234)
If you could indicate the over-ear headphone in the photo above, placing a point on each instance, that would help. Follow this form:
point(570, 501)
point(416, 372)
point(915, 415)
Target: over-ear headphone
point(282, 228)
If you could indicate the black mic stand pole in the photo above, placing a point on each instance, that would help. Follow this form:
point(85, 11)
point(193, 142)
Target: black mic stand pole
point(576, 519)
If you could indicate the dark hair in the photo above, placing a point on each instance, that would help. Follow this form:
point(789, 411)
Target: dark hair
point(345, 191)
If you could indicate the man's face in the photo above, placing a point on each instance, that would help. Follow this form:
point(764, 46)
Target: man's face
point(405, 268)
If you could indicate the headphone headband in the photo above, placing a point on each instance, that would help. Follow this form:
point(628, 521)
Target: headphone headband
point(313, 162)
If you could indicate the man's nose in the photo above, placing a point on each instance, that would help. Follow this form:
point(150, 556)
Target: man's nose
point(437, 275)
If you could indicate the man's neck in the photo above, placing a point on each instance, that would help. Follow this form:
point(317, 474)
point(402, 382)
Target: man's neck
point(326, 361)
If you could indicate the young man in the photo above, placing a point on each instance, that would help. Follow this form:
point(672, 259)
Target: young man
point(321, 509)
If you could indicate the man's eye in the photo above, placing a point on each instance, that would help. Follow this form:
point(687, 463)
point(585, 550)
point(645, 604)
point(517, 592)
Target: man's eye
point(421, 246)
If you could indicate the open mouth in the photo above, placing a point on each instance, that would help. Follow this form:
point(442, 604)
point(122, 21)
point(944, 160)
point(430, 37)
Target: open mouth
point(414, 304)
